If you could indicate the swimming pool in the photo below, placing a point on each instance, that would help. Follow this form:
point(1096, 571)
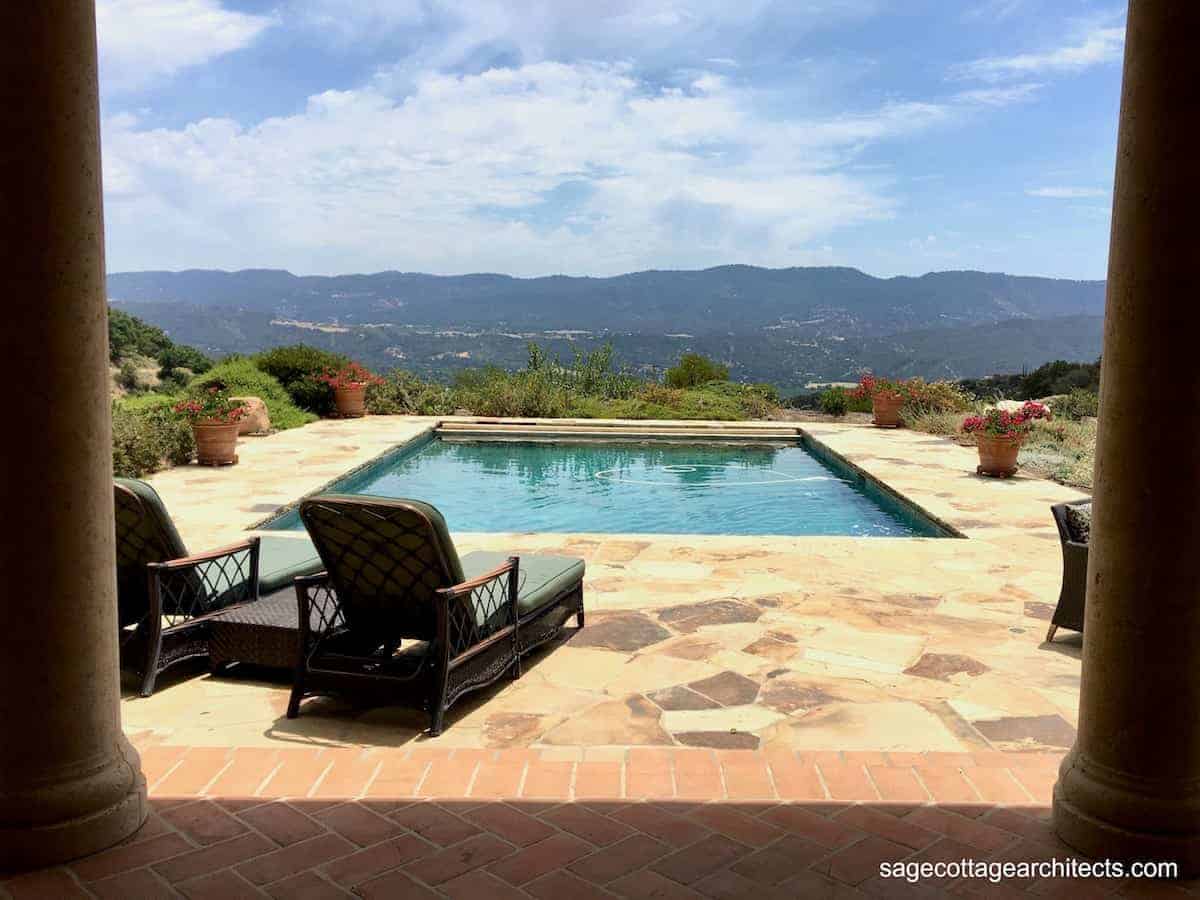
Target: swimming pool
point(636, 487)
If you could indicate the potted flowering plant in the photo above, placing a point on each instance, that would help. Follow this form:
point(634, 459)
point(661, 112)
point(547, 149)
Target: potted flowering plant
point(349, 385)
point(999, 434)
point(887, 396)
point(214, 417)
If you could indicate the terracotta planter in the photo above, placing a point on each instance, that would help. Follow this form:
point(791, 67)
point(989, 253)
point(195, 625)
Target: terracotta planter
point(216, 443)
point(998, 456)
point(351, 400)
point(887, 410)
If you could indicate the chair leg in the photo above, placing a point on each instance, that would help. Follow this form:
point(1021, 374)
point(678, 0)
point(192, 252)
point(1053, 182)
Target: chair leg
point(579, 617)
point(1050, 632)
point(149, 678)
point(436, 717)
point(150, 670)
point(293, 710)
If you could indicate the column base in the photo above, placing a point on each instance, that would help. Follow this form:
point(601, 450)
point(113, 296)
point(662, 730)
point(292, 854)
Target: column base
point(1106, 814)
point(68, 818)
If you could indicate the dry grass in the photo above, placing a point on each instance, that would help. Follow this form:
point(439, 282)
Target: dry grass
point(1060, 449)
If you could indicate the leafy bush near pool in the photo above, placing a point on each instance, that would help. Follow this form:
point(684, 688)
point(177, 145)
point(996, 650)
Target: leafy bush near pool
point(924, 398)
point(1077, 405)
point(403, 394)
point(693, 370)
point(243, 378)
point(495, 392)
point(297, 368)
point(148, 436)
point(834, 402)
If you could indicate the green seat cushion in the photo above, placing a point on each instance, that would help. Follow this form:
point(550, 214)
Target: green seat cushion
point(282, 559)
point(541, 578)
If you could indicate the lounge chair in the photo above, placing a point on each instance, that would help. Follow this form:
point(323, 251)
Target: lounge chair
point(398, 614)
point(1074, 530)
point(167, 597)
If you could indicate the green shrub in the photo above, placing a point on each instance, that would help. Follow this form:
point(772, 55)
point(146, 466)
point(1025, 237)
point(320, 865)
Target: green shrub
point(244, 379)
point(694, 369)
point(1077, 405)
point(148, 436)
point(927, 398)
point(180, 356)
point(296, 367)
point(835, 401)
point(1060, 377)
point(404, 394)
point(588, 374)
point(495, 392)
point(127, 376)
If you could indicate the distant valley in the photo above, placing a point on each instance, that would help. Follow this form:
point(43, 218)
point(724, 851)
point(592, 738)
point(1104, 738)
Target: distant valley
point(789, 327)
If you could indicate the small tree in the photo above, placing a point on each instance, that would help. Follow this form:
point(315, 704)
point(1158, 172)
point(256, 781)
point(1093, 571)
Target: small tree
point(694, 369)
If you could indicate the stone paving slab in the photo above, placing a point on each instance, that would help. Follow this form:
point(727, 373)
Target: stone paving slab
point(724, 642)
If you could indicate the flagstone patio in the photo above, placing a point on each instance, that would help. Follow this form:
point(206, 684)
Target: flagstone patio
point(775, 644)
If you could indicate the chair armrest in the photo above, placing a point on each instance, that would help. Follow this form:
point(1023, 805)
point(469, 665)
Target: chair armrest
point(478, 612)
point(196, 586)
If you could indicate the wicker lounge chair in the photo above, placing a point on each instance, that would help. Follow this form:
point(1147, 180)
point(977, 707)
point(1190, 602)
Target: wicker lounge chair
point(399, 615)
point(166, 598)
point(1074, 530)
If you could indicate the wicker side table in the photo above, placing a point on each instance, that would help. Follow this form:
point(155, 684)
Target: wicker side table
point(265, 633)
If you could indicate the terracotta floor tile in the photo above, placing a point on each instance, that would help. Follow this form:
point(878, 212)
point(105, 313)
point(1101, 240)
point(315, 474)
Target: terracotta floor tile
point(451, 862)
point(983, 837)
point(204, 822)
point(363, 865)
point(747, 779)
point(946, 784)
point(48, 884)
point(448, 778)
point(434, 823)
point(122, 858)
point(305, 854)
point(996, 785)
point(561, 885)
point(548, 780)
point(898, 785)
point(737, 826)
point(905, 831)
point(481, 885)
point(350, 773)
point(198, 767)
point(701, 859)
point(140, 884)
point(587, 823)
point(296, 774)
point(306, 886)
point(498, 780)
point(214, 857)
point(246, 773)
point(783, 860)
point(281, 822)
point(394, 885)
point(514, 826)
point(615, 860)
point(649, 783)
point(538, 859)
point(223, 885)
point(598, 781)
point(848, 782)
point(358, 824)
point(861, 860)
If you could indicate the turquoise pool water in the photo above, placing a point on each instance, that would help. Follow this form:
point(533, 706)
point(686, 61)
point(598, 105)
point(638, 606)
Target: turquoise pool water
point(646, 487)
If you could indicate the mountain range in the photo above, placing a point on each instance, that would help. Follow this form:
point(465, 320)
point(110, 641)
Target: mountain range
point(786, 326)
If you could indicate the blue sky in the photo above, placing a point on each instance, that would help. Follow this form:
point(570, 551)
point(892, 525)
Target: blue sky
point(561, 136)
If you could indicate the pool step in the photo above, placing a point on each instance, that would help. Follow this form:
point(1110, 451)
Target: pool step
point(603, 429)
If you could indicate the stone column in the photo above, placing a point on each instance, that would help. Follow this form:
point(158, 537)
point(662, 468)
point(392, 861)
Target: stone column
point(1130, 788)
point(70, 783)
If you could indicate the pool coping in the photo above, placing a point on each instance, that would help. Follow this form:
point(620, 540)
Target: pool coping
point(653, 430)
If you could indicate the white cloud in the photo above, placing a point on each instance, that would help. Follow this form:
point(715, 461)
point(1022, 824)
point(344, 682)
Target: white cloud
point(142, 41)
point(467, 173)
point(1067, 193)
point(1097, 46)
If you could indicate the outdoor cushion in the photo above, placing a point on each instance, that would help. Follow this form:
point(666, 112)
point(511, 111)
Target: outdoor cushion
point(1079, 522)
point(282, 559)
point(540, 578)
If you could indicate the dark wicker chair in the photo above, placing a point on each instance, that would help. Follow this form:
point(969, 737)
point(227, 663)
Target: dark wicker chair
point(1069, 612)
point(166, 597)
point(398, 615)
